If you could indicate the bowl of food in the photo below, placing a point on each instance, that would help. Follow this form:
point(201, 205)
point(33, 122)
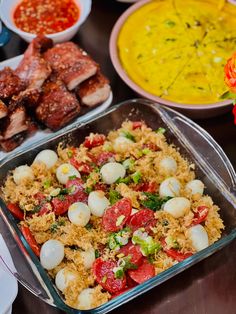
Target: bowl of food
point(59, 20)
point(172, 55)
point(117, 227)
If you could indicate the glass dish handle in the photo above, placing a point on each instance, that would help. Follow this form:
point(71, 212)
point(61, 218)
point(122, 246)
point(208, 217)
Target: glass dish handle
point(208, 153)
point(19, 278)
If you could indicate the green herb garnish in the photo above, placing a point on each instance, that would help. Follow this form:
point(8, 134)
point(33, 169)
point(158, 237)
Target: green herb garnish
point(89, 226)
point(56, 225)
point(169, 23)
point(154, 201)
point(114, 196)
point(97, 254)
point(88, 190)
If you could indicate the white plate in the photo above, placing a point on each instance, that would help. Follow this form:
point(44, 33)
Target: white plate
point(8, 283)
point(44, 134)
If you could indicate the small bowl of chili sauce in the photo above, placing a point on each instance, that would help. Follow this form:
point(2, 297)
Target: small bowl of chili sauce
point(57, 19)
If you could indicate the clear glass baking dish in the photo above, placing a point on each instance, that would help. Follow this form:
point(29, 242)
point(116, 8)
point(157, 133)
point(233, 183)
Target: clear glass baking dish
point(212, 167)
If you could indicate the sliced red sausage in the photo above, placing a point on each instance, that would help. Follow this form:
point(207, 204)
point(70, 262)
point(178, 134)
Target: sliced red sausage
point(116, 216)
point(150, 187)
point(83, 167)
point(61, 205)
point(144, 218)
point(77, 192)
point(103, 272)
point(133, 251)
point(144, 272)
point(104, 157)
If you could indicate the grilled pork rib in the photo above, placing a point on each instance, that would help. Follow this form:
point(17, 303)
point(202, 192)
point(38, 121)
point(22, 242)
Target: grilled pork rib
point(72, 64)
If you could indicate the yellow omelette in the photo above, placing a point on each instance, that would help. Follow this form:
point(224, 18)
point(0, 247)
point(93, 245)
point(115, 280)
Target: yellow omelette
point(177, 49)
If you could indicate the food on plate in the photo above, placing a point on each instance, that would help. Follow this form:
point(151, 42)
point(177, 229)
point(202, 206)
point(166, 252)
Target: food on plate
point(95, 89)
point(50, 110)
point(49, 86)
point(71, 64)
point(45, 16)
point(177, 49)
point(3, 110)
point(103, 219)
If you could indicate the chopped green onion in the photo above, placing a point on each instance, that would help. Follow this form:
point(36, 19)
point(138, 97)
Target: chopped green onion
point(161, 130)
point(136, 177)
point(88, 190)
point(147, 243)
point(129, 136)
point(114, 196)
point(123, 180)
point(169, 23)
point(119, 220)
point(47, 184)
point(72, 177)
point(146, 151)
point(119, 274)
point(55, 192)
point(69, 153)
point(128, 164)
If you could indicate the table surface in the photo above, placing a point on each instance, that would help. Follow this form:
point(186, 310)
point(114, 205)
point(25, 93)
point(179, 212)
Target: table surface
point(208, 287)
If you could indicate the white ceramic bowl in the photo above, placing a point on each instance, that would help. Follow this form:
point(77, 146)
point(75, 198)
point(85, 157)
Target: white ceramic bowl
point(7, 8)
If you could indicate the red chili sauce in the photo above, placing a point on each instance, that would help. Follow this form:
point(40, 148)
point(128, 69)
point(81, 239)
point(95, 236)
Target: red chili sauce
point(45, 16)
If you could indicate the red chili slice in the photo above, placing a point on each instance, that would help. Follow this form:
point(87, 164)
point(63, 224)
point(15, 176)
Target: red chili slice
point(133, 251)
point(200, 215)
point(143, 273)
point(175, 254)
point(150, 187)
point(144, 218)
point(30, 239)
point(104, 158)
point(116, 216)
point(103, 271)
point(137, 125)
point(16, 211)
point(94, 140)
